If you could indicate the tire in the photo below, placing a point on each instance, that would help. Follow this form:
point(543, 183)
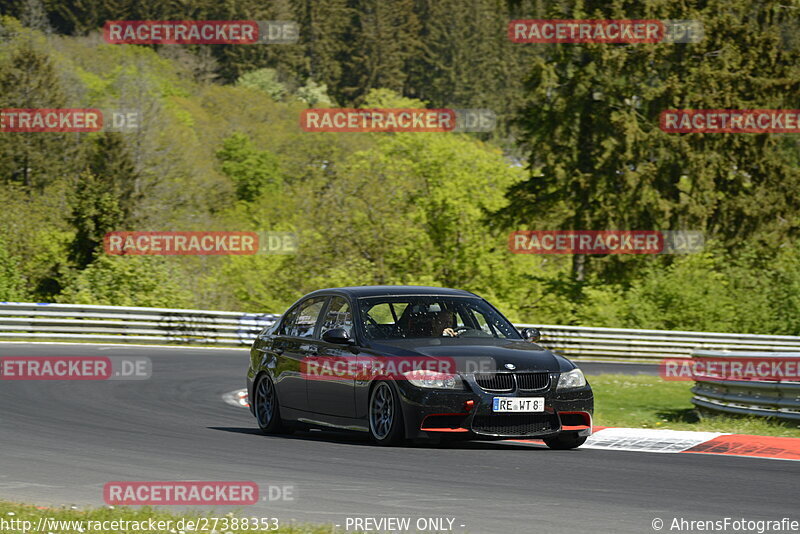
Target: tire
point(565, 441)
point(266, 408)
point(385, 415)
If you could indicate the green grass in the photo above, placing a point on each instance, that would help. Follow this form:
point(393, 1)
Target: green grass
point(11, 511)
point(639, 401)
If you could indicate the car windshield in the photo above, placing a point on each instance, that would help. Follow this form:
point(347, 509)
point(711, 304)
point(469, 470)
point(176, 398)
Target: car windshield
point(427, 316)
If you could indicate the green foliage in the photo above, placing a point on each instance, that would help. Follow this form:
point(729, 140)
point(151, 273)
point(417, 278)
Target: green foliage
point(690, 294)
point(604, 163)
point(29, 79)
point(36, 236)
point(712, 291)
point(448, 53)
point(467, 60)
point(314, 94)
point(11, 282)
point(96, 211)
point(406, 208)
point(411, 208)
point(383, 37)
point(254, 172)
point(129, 281)
point(104, 197)
point(264, 80)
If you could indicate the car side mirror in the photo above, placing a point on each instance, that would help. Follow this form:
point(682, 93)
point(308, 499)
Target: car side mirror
point(532, 335)
point(338, 336)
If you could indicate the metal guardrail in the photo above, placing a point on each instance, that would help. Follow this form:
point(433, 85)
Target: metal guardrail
point(115, 324)
point(779, 399)
point(585, 342)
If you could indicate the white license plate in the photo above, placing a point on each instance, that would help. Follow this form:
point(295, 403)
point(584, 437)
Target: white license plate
point(518, 404)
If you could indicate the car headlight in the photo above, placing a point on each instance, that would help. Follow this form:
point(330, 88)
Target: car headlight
point(572, 379)
point(433, 379)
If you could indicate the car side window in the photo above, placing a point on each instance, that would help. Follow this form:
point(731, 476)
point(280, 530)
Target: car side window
point(486, 325)
point(381, 314)
point(303, 318)
point(307, 318)
point(338, 315)
point(288, 322)
point(460, 318)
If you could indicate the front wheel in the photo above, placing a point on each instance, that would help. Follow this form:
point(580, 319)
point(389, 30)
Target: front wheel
point(565, 441)
point(265, 406)
point(385, 415)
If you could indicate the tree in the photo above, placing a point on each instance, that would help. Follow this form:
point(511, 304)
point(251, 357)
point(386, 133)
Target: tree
point(467, 61)
point(264, 80)
point(11, 282)
point(253, 171)
point(598, 159)
point(104, 198)
point(33, 15)
point(314, 94)
point(410, 209)
point(96, 211)
point(383, 40)
point(28, 79)
point(129, 281)
point(323, 26)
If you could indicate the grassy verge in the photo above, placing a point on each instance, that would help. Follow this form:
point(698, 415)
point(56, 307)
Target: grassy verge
point(10, 512)
point(638, 401)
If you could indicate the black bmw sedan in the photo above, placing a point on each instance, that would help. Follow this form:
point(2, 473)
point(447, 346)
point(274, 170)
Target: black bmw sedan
point(408, 362)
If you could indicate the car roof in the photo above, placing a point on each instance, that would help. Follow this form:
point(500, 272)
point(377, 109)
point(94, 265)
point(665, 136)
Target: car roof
point(385, 291)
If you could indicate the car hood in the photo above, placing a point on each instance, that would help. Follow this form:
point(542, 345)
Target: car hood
point(488, 354)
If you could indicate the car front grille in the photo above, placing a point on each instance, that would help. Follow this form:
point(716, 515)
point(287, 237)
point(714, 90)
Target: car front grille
point(495, 381)
point(533, 381)
point(514, 424)
point(505, 382)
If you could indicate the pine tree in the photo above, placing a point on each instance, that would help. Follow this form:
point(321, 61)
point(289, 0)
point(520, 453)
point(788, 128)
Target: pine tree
point(29, 80)
point(104, 198)
point(96, 211)
point(323, 26)
point(382, 42)
point(467, 60)
point(599, 161)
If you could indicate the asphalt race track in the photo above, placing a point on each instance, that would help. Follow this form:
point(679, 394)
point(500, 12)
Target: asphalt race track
point(60, 442)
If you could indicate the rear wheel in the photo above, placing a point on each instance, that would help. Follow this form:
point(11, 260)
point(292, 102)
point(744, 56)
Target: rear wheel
point(265, 406)
point(565, 441)
point(385, 415)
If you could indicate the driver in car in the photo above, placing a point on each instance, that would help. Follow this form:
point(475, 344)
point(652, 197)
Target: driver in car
point(442, 324)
